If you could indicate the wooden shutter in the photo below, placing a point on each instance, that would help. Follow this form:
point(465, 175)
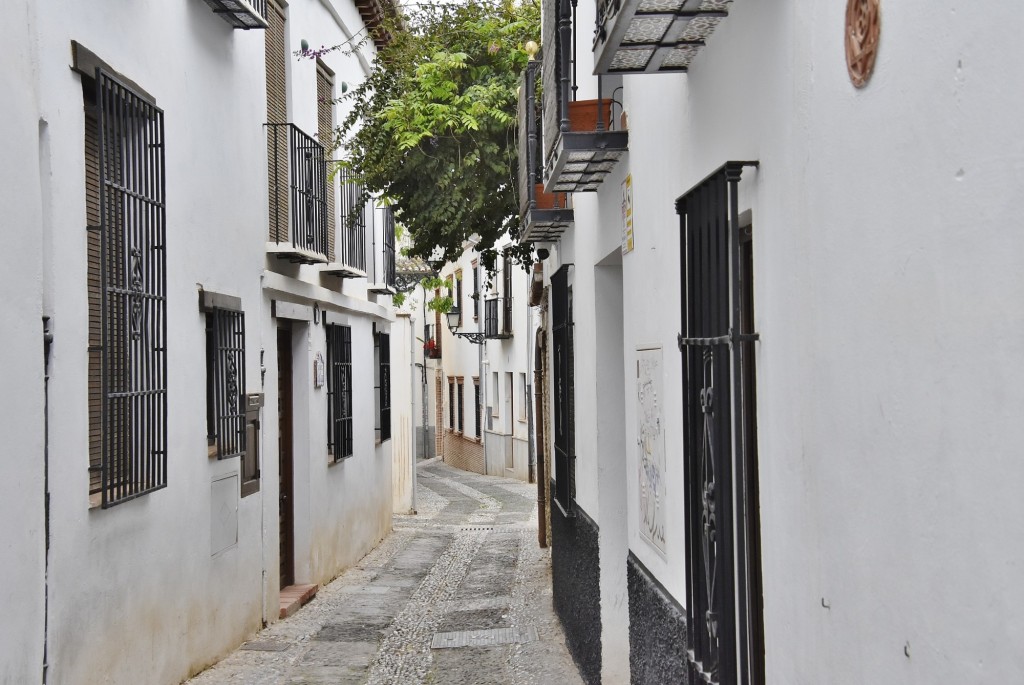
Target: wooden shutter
point(325, 133)
point(277, 113)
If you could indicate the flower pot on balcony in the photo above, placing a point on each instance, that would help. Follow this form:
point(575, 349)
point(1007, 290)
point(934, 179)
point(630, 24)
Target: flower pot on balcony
point(548, 200)
point(583, 114)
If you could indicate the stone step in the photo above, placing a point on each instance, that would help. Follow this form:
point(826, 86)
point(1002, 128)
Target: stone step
point(295, 596)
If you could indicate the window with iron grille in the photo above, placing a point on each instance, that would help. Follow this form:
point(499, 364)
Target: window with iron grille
point(461, 409)
point(325, 135)
point(451, 403)
point(339, 392)
point(564, 390)
point(476, 291)
point(458, 295)
point(478, 406)
point(126, 286)
point(384, 386)
point(506, 305)
point(225, 382)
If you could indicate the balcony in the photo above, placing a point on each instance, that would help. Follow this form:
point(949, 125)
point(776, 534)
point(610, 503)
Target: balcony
point(431, 342)
point(349, 258)
point(498, 318)
point(544, 217)
point(653, 36)
point(241, 14)
point(298, 196)
point(383, 279)
point(583, 139)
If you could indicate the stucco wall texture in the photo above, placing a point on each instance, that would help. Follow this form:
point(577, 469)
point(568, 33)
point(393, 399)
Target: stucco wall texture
point(657, 630)
point(576, 584)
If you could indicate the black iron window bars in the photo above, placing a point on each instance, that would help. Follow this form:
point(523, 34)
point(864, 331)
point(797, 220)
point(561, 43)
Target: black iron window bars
point(716, 352)
point(352, 244)
point(581, 143)
point(498, 317)
point(385, 277)
point(564, 390)
point(461, 407)
point(339, 392)
point(543, 216)
point(132, 292)
point(451, 403)
point(384, 385)
point(478, 406)
point(299, 210)
point(225, 382)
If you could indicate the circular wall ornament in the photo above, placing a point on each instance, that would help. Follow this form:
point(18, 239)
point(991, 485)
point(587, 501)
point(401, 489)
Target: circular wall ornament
point(863, 27)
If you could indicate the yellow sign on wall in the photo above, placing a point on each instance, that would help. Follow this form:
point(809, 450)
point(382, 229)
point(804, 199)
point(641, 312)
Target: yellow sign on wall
point(627, 214)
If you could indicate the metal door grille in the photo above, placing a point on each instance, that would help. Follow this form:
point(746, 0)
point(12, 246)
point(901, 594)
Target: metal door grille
point(339, 391)
point(564, 390)
point(225, 364)
point(712, 344)
point(133, 277)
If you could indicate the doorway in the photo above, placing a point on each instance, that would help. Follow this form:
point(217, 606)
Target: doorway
point(285, 501)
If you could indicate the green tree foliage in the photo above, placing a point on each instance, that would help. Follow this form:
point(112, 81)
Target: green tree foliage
point(433, 128)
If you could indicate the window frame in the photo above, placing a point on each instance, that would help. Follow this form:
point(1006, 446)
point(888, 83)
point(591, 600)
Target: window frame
point(382, 347)
point(461, 410)
point(340, 425)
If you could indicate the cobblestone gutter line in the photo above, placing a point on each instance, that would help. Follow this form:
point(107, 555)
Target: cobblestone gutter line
point(489, 506)
point(404, 655)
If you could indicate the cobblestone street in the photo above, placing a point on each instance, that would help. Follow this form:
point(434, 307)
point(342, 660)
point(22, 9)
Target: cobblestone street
point(459, 593)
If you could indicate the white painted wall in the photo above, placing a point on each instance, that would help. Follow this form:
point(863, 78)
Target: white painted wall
point(23, 178)
point(888, 376)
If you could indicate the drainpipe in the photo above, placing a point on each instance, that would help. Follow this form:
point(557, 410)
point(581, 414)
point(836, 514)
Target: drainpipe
point(531, 452)
point(47, 344)
point(412, 419)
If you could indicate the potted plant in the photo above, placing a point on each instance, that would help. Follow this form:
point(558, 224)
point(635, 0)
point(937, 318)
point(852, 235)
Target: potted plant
point(583, 114)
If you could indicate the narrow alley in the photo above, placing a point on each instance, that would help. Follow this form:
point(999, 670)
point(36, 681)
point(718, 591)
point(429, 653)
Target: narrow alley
point(458, 593)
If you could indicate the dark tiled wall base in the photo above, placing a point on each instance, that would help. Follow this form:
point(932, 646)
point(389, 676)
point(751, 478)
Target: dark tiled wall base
point(576, 577)
point(657, 630)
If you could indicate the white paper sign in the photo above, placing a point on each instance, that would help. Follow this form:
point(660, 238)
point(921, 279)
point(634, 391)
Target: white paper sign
point(319, 373)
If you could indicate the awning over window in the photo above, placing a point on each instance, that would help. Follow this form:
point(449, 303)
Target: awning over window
point(653, 36)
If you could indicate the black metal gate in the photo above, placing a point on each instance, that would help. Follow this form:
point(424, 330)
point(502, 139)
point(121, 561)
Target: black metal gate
point(716, 357)
point(564, 389)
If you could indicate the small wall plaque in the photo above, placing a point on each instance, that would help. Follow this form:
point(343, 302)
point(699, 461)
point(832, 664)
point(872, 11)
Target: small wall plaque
point(863, 28)
point(319, 374)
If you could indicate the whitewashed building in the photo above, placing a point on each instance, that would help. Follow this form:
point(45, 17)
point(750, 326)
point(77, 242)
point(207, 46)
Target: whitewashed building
point(783, 376)
point(480, 371)
point(217, 424)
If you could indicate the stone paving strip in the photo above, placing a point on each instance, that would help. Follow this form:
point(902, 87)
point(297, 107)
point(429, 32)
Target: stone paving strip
point(458, 594)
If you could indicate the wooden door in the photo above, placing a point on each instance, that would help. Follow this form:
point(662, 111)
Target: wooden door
point(286, 510)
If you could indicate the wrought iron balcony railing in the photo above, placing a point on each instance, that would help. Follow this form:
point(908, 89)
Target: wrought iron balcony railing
point(498, 318)
point(384, 276)
point(653, 36)
point(583, 139)
point(298, 195)
point(543, 216)
point(349, 259)
point(241, 14)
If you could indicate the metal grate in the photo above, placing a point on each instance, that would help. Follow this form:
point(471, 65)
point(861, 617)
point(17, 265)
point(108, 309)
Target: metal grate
point(498, 317)
point(712, 346)
point(451, 403)
point(298, 210)
point(352, 244)
point(384, 389)
point(389, 247)
point(478, 404)
point(339, 392)
point(133, 283)
point(461, 409)
point(225, 382)
point(564, 392)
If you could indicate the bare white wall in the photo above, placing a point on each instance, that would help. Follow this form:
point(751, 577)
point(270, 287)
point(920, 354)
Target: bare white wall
point(21, 405)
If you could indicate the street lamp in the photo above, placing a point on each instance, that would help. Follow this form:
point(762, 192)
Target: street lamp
point(454, 317)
